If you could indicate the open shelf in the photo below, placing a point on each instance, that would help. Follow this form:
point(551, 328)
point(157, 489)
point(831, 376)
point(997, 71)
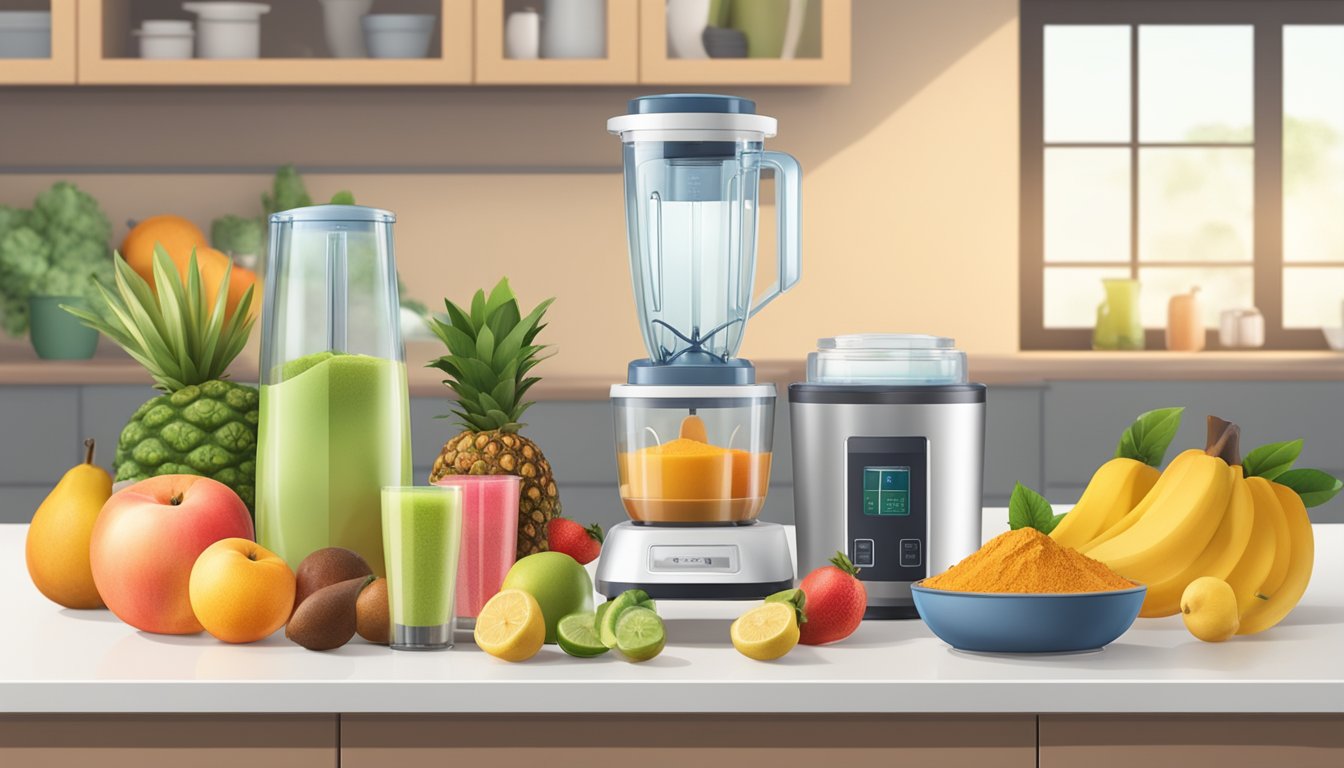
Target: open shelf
point(59, 68)
point(620, 65)
point(293, 49)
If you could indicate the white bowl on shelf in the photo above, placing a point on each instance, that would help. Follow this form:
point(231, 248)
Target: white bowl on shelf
point(398, 35)
point(25, 34)
point(165, 39)
point(228, 30)
point(1335, 338)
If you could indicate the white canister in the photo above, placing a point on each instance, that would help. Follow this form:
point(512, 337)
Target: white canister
point(1241, 328)
point(686, 22)
point(522, 35)
point(340, 23)
point(165, 39)
point(228, 30)
point(574, 29)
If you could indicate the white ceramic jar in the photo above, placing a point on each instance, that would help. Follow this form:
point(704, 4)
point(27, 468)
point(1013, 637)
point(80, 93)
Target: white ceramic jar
point(522, 35)
point(165, 39)
point(574, 29)
point(25, 35)
point(1241, 328)
point(340, 21)
point(228, 30)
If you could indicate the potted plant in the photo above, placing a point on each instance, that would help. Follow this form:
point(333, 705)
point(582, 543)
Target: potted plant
point(49, 256)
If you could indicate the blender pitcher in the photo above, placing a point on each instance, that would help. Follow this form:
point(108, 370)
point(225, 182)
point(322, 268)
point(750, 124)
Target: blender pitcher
point(335, 423)
point(692, 174)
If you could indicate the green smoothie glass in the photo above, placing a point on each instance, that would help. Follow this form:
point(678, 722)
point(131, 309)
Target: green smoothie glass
point(334, 418)
point(422, 537)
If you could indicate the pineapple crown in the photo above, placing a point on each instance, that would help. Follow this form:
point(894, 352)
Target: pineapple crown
point(490, 352)
point(176, 335)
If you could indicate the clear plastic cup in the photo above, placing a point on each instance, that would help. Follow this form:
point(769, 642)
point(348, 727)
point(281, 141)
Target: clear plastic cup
point(489, 539)
point(422, 539)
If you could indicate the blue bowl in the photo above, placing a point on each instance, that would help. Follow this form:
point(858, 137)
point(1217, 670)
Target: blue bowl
point(1028, 623)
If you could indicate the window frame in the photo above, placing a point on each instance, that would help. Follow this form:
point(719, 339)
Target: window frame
point(1267, 19)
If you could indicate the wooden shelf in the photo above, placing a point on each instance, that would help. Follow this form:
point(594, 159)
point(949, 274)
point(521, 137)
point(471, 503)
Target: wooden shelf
point(57, 70)
point(101, 21)
point(832, 67)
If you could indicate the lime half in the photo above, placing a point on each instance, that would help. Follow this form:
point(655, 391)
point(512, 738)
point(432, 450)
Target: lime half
point(577, 636)
point(601, 611)
point(640, 634)
point(630, 598)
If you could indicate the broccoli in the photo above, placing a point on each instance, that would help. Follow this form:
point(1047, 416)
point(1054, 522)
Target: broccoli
point(238, 235)
point(287, 192)
point(57, 249)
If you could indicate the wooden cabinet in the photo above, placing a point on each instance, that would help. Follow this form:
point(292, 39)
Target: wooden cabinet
point(1185, 741)
point(59, 69)
point(619, 66)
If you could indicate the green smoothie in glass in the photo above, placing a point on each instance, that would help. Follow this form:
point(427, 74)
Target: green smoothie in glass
point(422, 536)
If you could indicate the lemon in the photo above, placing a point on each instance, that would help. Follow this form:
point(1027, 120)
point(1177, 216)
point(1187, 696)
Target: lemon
point(511, 626)
point(1209, 609)
point(766, 632)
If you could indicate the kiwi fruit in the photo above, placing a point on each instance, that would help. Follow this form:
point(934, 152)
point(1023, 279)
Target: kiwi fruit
point(325, 567)
point(371, 613)
point(327, 618)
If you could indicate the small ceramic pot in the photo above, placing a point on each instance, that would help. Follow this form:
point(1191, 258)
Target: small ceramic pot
point(398, 35)
point(228, 30)
point(522, 35)
point(57, 334)
point(340, 21)
point(165, 39)
point(25, 34)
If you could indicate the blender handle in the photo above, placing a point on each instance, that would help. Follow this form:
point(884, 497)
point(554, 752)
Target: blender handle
point(788, 175)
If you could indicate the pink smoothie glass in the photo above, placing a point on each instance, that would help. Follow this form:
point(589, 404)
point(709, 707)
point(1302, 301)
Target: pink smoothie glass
point(489, 537)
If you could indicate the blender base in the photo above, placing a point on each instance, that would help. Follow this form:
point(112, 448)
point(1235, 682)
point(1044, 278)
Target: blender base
point(738, 562)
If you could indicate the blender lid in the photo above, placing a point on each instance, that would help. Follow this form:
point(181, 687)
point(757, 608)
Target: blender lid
point(693, 112)
point(692, 369)
point(656, 396)
point(887, 359)
point(333, 213)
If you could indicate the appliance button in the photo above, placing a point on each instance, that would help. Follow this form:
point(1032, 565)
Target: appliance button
point(864, 555)
point(911, 554)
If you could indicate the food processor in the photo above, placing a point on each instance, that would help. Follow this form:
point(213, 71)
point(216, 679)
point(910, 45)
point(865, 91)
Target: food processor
point(888, 454)
point(694, 429)
point(334, 417)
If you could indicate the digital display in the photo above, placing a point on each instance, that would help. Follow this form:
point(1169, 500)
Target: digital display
point(886, 491)
point(711, 558)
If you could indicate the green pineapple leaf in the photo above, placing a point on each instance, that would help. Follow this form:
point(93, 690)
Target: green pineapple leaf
point(485, 345)
point(478, 311)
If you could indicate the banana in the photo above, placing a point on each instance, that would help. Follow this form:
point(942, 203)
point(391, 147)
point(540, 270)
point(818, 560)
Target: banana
point(1217, 560)
point(1172, 476)
point(1265, 613)
point(1176, 528)
point(1255, 563)
point(1116, 487)
point(1283, 545)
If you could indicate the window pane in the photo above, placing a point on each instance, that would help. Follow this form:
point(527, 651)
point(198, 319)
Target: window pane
point(1313, 144)
point(1220, 288)
point(1195, 204)
point(1086, 83)
point(1313, 297)
point(1195, 83)
point(1073, 293)
point(1087, 205)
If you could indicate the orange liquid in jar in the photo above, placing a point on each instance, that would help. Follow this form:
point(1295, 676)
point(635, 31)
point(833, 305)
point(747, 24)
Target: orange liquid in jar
point(686, 480)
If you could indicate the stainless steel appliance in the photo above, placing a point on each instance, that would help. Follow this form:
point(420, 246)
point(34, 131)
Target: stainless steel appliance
point(888, 453)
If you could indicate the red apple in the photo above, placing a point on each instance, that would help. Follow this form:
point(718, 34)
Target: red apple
point(147, 539)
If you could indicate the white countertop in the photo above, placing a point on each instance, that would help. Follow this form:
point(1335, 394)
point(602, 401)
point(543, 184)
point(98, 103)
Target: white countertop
point(58, 660)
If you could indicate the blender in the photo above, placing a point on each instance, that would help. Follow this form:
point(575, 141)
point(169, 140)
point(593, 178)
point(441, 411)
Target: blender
point(334, 417)
point(694, 429)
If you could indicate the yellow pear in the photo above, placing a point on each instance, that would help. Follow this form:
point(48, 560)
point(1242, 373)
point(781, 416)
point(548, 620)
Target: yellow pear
point(58, 539)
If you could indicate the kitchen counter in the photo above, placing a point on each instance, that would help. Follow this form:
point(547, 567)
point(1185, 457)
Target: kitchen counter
point(62, 661)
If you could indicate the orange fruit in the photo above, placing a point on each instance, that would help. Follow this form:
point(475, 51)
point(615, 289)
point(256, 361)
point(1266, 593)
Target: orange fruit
point(177, 236)
point(241, 592)
point(214, 265)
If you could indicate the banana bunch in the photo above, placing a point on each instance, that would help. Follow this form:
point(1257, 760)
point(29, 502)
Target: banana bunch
point(1208, 514)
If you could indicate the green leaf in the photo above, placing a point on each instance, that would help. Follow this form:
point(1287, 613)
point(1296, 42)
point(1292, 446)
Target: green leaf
point(485, 345)
point(1054, 522)
point(1029, 509)
point(1270, 461)
point(1314, 486)
point(1148, 438)
point(459, 319)
point(499, 296)
point(478, 311)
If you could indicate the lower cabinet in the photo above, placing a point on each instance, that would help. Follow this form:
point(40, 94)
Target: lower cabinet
point(1190, 741)
point(676, 741)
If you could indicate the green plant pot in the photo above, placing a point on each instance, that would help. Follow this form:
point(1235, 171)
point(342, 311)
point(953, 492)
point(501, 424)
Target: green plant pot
point(57, 334)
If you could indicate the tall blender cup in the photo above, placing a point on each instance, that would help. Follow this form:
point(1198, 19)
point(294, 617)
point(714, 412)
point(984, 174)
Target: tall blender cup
point(335, 418)
point(694, 430)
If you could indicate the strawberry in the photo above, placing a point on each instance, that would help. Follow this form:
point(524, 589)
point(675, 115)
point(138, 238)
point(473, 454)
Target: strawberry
point(836, 601)
point(582, 544)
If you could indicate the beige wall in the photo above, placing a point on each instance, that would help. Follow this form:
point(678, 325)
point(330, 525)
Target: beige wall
point(910, 191)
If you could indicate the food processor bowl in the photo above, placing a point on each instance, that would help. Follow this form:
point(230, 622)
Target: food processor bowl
point(694, 455)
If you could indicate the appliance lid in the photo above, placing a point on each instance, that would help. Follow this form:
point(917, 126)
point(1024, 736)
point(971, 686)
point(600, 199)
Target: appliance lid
point(315, 213)
point(729, 396)
point(694, 113)
point(902, 359)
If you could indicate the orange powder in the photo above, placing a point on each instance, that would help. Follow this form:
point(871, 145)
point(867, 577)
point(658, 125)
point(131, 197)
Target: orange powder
point(1027, 561)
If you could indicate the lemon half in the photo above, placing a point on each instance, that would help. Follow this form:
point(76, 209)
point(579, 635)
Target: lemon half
point(510, 626)
point(766, 632)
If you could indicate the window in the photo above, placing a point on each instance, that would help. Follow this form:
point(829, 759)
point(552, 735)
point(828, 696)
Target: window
point(1183, 143)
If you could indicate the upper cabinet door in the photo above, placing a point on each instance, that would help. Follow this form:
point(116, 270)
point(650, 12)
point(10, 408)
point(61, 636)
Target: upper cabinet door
point(29, 56)
point(765, 42)
point(557, 42)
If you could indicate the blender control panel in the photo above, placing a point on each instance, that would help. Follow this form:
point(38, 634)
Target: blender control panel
point(886, 516)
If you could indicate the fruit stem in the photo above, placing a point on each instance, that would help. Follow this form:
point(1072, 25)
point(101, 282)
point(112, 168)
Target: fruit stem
point(595, 532)
point(88, 451)
point(1224, 441)
point(176, 499)
point(844, 563)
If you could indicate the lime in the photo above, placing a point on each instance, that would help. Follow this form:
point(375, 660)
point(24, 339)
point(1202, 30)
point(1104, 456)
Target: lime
point(601, 610)
point(578, 636)
point(624, 601)
point(511, 626)
point(766, 632)
point(640, 634)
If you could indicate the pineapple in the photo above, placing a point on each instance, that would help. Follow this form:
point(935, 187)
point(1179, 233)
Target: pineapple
point(202, 425)
point(490, 353)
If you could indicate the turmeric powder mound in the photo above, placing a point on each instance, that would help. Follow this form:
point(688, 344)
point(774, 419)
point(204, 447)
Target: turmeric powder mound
point(1027, 561)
